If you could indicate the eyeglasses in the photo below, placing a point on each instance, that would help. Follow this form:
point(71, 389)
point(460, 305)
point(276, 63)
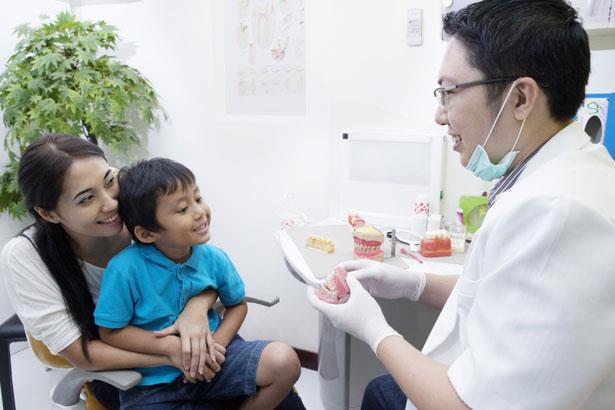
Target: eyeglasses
point(441, 93)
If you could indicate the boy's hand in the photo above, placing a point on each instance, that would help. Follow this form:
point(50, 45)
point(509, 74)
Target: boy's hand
point(220, 352)
point(197, 343)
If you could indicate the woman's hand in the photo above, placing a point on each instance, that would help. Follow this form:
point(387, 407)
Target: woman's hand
point(175, 357)
point(192, 326)
point(197, 343)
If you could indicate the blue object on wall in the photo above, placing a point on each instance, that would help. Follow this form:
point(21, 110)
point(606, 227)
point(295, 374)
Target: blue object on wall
point(597, 116)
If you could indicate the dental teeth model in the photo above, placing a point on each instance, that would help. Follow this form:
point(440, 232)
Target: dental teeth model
point(436, 243)
point(334, 289)
point(367, 241)
point(320, 244)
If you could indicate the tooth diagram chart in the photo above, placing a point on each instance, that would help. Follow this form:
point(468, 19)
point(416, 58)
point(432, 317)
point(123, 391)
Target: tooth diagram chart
point(265, 57)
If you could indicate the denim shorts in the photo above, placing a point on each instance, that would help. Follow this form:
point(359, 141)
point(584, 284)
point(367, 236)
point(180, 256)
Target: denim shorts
point(383, 393)
point(237, 378)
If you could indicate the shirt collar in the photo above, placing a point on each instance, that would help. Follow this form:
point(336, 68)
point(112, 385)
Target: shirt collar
point(154, 255)
point(507, 181)
point(570, 138)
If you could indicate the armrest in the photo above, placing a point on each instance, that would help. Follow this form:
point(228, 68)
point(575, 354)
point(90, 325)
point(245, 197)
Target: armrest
point(68, 389)
point(10, 331)
point(265, 299)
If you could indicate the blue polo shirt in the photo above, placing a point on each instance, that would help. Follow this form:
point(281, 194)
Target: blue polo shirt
point(144, 288)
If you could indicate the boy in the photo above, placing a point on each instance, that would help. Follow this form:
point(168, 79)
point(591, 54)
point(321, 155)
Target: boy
point(146, 286)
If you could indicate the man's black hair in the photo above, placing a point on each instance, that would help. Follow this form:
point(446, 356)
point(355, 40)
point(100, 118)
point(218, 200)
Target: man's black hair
point(142, 184)
point(541, 39)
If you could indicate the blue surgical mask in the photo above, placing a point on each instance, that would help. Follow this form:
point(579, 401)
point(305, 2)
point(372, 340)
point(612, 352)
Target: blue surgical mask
point(481, 165)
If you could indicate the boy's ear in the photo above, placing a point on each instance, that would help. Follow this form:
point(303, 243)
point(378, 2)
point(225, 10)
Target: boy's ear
point(144, 235)
point(48, 216)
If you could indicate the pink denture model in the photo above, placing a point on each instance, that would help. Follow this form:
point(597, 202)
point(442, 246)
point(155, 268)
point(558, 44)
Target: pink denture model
point(367, 241)
point(334, 289)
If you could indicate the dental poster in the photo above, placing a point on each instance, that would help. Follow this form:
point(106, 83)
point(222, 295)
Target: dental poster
point(265, 57)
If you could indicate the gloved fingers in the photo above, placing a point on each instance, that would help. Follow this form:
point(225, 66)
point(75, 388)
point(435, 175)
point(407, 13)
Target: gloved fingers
point(364, 274)
point(356, 264)
point(355, 285)
point(338, 314)
point(330, 309)
point(316, 302)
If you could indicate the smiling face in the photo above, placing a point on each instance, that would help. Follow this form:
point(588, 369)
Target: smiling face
point(185, 219)
point(468, 113)
point(88, 207)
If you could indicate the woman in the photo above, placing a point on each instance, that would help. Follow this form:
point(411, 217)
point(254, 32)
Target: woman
point(53, 268)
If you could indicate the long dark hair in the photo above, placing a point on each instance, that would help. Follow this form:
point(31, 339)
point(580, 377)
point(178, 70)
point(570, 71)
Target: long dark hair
point(42, 169)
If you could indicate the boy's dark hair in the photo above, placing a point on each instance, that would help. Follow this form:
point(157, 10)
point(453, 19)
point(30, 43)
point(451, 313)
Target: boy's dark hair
point(142, 184)
point(541, 39)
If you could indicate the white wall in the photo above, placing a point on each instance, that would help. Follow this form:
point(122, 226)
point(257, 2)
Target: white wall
point(360, 76)
point(380, 84)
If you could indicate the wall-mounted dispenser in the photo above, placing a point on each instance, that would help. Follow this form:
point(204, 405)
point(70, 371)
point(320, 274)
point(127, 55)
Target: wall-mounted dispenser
point(597, 116)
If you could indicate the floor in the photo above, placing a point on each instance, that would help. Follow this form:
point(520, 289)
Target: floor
point(32, 383)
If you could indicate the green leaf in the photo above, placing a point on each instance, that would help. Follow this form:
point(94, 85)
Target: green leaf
point(63, 18)
point(86, 56)
point(36, 84)
point(46, 63)
point(22, 30)
point(90, 42)
point(48, 106)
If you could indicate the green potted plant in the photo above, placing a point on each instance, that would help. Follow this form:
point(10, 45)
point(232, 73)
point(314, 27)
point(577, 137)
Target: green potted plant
point(64, 78)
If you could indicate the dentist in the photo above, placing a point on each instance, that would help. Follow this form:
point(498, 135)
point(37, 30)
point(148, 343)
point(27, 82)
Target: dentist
point(530, 324)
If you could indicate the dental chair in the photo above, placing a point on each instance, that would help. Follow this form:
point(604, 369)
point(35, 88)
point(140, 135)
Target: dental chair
point(74, 385)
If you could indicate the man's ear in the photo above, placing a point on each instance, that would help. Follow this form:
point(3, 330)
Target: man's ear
point(49, 216)
point(528, 93)
point(144, 235)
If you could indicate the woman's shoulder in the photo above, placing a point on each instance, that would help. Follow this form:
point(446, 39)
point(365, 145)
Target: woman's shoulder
point(22, 267)
point(20, 247)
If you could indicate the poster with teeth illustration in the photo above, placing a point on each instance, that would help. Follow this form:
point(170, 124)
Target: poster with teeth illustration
point(265, 57)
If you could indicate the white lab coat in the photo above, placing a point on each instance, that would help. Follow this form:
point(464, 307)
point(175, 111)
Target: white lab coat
point(531, 322)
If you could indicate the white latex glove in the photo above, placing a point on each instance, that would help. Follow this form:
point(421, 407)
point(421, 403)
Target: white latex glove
point(360, 315)
point(386, 281)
